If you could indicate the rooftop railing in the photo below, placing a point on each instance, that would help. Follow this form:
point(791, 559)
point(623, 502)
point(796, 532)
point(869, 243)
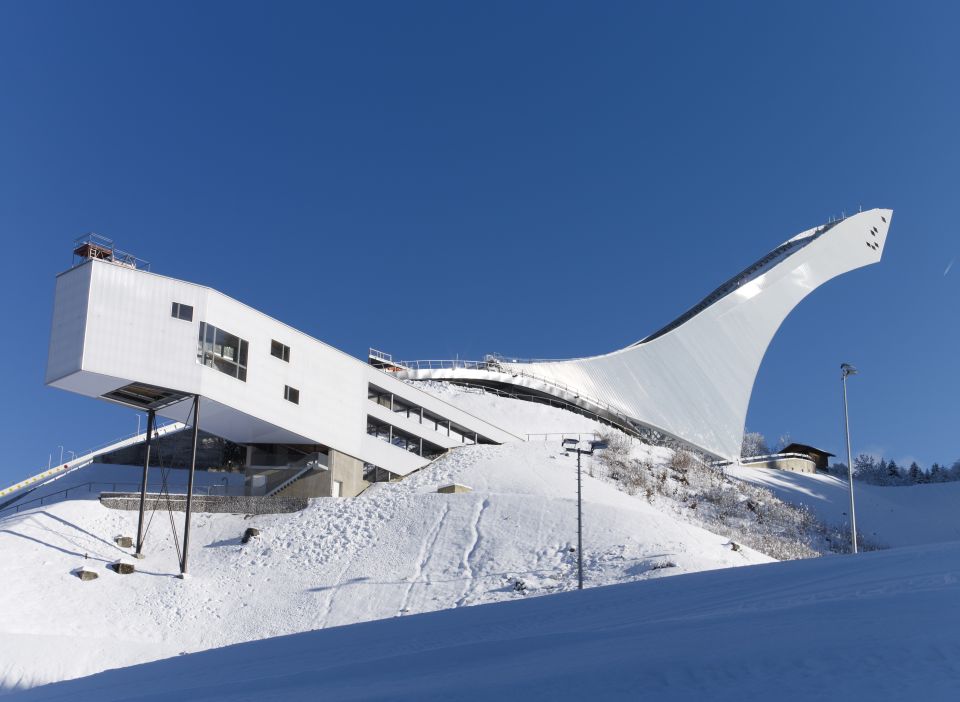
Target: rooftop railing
point(96, 246)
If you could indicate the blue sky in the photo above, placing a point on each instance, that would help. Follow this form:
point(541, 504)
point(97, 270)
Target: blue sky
point(441, 179)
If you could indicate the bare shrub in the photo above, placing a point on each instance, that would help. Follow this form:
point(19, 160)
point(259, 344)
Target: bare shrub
point(746, 514)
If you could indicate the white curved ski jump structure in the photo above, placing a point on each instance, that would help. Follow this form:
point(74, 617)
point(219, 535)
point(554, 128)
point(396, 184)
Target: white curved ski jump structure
point(693, 378)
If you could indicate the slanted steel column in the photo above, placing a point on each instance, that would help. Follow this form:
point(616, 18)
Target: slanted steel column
point(193, 467)
point(151, 420)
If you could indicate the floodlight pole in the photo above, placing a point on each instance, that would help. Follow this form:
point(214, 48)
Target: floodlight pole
point(151, 418)
point(845, 370)
point(193, 467)
point(579, 525)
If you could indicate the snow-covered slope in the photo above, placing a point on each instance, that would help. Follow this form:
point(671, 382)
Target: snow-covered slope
point(886, 516)
point(879, 626)
point(398, 549)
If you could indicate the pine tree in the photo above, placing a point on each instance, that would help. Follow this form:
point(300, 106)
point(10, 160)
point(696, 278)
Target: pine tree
point(955, 470)
point(864, 467)
point(893, 471)
point(914, 473)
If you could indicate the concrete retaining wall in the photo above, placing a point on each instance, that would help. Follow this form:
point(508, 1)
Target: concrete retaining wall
point(231, 504)
point(792, 463)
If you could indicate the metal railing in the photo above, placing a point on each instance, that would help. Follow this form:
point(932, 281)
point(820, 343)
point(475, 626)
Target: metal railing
point(64, 494)
point(307, 464)
point(447, 364)
point(492, 366)
point(86, 458)
point(612, 416)
point(99, 247)
point(380, 355)
point(159, 430)
point(581, 436)
point(546, 400)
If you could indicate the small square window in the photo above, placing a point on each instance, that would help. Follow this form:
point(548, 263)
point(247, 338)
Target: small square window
point(291, 394)
point(181, 311)
point(280, 351)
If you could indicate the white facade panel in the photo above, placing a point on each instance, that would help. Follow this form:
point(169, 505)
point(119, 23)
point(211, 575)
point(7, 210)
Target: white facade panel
point(65, 354)
point(125, 333)
point(130, 332)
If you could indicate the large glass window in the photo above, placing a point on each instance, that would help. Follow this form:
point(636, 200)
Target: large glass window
point(423, 416)
point(380, 396)
point(223, 351)
point(402, 439)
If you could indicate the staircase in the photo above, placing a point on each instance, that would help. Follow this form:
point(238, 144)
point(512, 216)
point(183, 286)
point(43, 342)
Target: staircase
point(315, 462)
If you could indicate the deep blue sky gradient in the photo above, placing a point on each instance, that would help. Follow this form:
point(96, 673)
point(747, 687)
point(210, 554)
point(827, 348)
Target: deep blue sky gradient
point(442, 179)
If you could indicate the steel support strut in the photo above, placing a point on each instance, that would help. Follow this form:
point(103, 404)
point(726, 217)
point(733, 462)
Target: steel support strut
point(151, 420)
point(193, 467)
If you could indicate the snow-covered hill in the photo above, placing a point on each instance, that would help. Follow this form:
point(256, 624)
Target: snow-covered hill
point(398, 549)
point(401, 549)
point(882, 626)
point(887, 516)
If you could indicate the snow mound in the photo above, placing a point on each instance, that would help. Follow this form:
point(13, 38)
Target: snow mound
point(398, 549)
point(879, 626)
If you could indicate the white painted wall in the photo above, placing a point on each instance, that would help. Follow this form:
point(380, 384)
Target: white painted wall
point(124, 332)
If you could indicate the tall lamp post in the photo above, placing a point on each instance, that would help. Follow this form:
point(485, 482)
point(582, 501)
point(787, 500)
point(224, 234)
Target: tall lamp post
point(579, 521)
point(580, 447)
point(845, 370)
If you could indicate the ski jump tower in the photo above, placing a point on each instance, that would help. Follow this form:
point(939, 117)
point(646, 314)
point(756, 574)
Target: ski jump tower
point(692, 379)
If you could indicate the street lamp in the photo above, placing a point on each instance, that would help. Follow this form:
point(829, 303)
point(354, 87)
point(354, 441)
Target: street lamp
point(580, 447)
point(845, 370)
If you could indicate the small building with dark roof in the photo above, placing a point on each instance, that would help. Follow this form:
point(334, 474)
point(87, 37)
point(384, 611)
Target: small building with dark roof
point(820, 457)
point(798, 458)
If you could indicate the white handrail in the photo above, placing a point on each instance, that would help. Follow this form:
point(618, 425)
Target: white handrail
point(495, 367)
point(87, 459)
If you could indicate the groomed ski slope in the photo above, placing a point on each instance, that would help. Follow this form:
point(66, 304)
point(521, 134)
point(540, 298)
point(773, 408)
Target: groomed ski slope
point(879, 626)
point(397, 550)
